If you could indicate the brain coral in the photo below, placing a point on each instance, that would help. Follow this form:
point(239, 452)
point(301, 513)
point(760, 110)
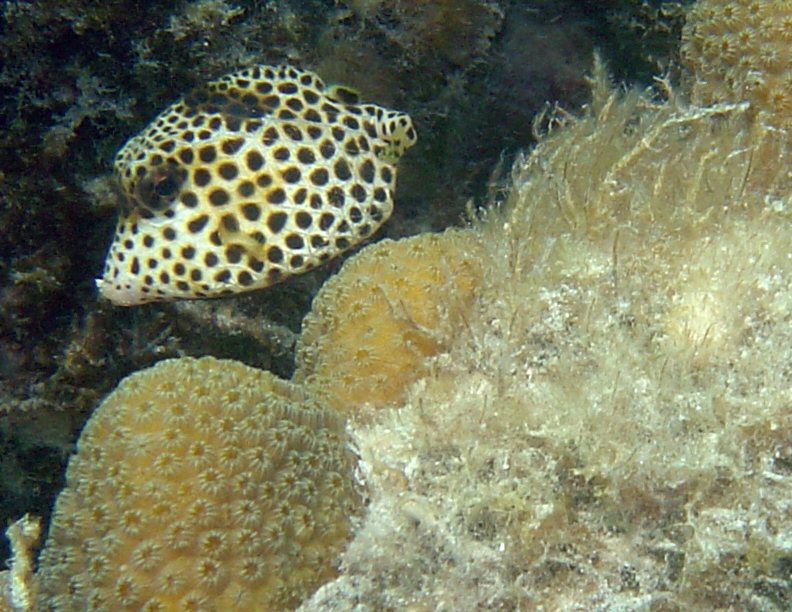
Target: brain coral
point(741, 50)
point(373, 327)
point(200, 485)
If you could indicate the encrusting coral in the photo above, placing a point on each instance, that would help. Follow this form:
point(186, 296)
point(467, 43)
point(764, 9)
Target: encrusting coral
point(374, 327)
point(201, 485)
point(741, 50)
point(256, 176)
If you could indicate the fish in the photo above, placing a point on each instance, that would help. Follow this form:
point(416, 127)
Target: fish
point(247, 180)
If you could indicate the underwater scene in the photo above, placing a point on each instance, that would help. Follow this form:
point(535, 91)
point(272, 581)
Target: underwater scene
point(396, 305)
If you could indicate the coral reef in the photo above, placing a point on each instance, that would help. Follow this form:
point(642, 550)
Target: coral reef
point(374, 327)
point(77, 78)
point(464, 483)
point(200, 484)
point(610, 428)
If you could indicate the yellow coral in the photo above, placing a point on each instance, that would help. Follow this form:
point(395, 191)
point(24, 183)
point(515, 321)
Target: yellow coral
point(741, 50)
point(374, 327)
point(200, 484)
